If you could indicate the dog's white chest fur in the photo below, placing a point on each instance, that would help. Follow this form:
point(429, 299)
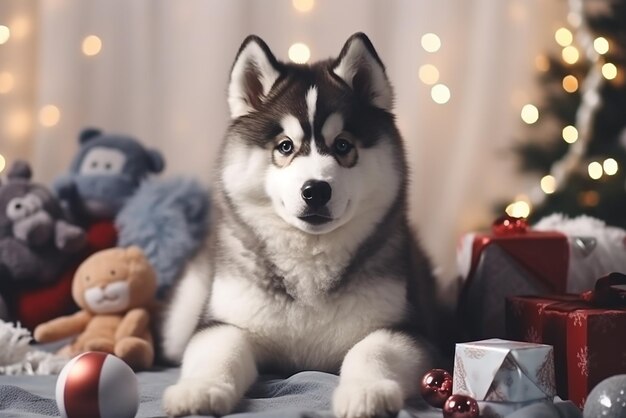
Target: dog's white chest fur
point(315, 336)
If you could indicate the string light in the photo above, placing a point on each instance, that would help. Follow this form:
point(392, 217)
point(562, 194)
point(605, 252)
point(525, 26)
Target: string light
point(570, 134)
point(518, 209)
point(542, 63)
point(431, 42)
point(299, 53)
point(595, 170)
point(570, 83)
point(429, 74)
point(530, 114)
point(610, 166)
point(303, 5)
point(563, 37)
point(5, 34)
point(440, 93)
point(570, 54)
point(3, 163)
point(91, 45)
point(548, 184)
point(609, 71)
point(6, 82)
point(49, 115)
point(601, 45)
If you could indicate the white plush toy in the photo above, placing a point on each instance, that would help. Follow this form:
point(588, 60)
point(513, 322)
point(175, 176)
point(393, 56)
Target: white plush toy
point(595, 248)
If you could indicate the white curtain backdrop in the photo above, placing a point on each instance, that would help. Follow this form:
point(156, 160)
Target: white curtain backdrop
point(161, 76)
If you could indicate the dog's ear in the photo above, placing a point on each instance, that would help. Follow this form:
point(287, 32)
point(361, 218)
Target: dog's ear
point(360, 67)
point(253, 74)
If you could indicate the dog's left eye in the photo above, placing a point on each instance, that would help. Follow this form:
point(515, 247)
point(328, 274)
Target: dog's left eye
point(285, 147)
point(342, 147)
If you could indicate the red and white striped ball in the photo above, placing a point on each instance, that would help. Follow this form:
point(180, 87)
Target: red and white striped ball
point(97, 385)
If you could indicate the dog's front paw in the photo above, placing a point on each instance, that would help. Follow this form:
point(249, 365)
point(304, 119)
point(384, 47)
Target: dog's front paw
point(364, 399)
point(199, 397)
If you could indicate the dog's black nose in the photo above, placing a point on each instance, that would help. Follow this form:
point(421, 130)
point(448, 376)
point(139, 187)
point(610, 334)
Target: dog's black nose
point(316, 193)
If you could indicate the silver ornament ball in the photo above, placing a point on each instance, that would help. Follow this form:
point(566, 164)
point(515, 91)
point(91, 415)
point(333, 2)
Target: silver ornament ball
point(607, 399)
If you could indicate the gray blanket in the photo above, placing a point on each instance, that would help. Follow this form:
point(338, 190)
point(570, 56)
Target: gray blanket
point(303, 395)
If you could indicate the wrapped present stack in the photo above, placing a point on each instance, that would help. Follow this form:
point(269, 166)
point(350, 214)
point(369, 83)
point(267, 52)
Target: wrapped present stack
point(588, 333)
point(504, 376)
point(556, 256)
point(540, 285)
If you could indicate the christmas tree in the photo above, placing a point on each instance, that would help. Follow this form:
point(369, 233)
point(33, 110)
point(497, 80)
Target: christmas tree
point(577, 134)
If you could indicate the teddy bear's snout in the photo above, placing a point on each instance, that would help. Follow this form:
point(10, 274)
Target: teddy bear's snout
point(108, 297)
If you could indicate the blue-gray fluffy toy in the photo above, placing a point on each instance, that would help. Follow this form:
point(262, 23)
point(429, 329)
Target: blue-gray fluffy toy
point(168, 219)
point(109, 178)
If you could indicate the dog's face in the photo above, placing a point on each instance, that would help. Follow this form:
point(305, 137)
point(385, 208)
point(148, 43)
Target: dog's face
point(317, 144)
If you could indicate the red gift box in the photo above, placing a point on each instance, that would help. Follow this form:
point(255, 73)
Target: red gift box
point(589, 340)
point(545, 254)
point(511, 260)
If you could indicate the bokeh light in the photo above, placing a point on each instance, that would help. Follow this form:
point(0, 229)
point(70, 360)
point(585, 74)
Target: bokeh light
point(440, 93)
point(542, 63)
point(530, 114)
point(49, 115)
point(563, 37)
point(92, 45)
point(5, 34)
point(570, 134)
point(609, 71)
point(570, 83)
point(570, 54)
point(20, 27)
point(429, 74)
point(518, 209)
point(299, 53)
point(610, 166)
point(431, 42)
point(7, 81)
point(601, 45)
point(303, 5)
point(548, 184)
point(595, 170)
point(18, 124)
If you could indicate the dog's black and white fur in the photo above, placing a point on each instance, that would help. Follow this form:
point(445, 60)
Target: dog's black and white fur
point(310, 263)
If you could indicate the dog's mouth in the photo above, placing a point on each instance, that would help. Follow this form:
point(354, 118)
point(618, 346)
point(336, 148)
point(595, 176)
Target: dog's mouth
point(316, 218)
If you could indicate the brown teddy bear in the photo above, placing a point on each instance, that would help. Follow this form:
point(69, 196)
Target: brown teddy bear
point(115, 290)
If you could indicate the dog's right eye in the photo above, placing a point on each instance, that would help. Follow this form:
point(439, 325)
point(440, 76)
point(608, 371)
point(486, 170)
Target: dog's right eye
point(285, 147)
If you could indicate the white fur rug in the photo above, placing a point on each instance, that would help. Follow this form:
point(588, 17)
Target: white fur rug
point(18, 357)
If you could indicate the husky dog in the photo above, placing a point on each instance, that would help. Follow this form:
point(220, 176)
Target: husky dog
point(310, 262)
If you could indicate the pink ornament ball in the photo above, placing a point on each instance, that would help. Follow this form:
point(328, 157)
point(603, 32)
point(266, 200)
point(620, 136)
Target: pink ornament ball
point(97, 385)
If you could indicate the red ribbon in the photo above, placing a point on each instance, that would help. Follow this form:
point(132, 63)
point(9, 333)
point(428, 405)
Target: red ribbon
point(609, 292)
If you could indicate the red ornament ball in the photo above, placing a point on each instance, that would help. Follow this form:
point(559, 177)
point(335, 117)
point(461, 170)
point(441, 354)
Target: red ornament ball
point(96, 384)
point(436, 387)
point(460, 406)
point(509, 225)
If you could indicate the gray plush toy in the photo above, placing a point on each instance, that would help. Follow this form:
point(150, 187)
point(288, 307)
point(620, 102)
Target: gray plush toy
point(35, 239)
point(106, 171)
